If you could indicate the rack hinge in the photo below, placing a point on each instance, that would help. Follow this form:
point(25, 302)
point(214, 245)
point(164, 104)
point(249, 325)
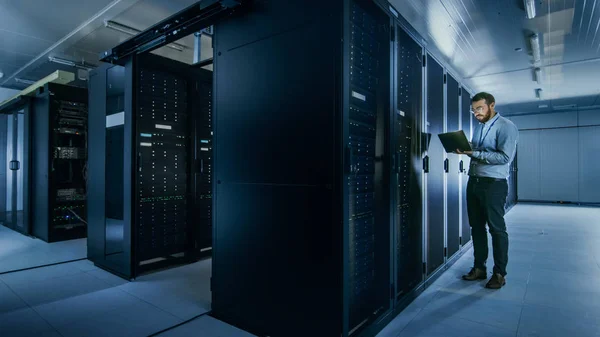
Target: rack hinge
point(424, 61)
point(445, 251)
point(445, 78)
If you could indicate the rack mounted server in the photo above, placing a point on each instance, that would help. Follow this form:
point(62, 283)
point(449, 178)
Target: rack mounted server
point(59, 162)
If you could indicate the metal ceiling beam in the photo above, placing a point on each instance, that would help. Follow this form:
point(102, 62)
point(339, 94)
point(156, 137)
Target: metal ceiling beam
point(186, 22)
point(113, 9)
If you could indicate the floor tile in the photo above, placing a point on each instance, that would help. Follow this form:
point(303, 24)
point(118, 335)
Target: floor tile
point(107, 277)
point(84, 307)
point(23, 322)
point(539, 321)
point(183, 302)
point(56, 289)
point(136, 320)
point(9, 301)
point(39, 274)
point(84, 265)
point(206, 326)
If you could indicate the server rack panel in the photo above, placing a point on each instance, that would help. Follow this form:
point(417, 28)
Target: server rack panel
point(60, 162)
point(435, 166)
point(465, 164)
point(452, 170)
point(342, 225)
point(408, 164)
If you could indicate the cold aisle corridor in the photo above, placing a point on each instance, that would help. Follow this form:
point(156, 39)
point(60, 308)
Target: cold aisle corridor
point(552, 287)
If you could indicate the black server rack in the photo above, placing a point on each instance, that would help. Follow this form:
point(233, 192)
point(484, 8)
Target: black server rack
point(59, 162)
point(407, 164)
point(465, 164)
point(151, 127)
point(434, 166)
point(302, 168)
point(452, 167)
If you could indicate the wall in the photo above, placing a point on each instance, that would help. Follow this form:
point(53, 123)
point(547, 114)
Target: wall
point(7, 93)
point(559, 156)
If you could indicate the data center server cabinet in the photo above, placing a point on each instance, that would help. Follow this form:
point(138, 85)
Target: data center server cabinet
point(59, 162)
point(305, 168)
point(149, 180)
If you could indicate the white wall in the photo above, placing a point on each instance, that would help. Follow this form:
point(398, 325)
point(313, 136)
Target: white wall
point(7, 93)
point(559, 156)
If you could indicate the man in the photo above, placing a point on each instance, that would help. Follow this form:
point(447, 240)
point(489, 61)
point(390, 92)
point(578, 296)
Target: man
point(494, 145)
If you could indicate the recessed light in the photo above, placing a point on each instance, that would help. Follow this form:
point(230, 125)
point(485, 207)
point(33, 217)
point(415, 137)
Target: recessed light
point(541, 106)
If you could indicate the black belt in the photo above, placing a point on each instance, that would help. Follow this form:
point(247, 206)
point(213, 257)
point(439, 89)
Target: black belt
point(485, 179)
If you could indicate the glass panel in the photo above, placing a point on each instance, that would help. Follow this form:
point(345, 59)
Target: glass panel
point(114, 210)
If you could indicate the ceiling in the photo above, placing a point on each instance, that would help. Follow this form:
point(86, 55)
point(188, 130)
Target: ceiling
point(32, 30)
point(479, 38)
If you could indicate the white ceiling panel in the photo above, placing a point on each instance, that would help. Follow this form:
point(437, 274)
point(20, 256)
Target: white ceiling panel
point(48, 20)
point(479, 39)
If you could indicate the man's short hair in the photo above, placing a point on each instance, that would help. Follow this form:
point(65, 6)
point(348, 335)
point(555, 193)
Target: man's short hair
point(489, 98)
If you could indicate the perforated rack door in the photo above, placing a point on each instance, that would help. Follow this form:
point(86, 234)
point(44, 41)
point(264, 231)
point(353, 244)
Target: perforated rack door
point(162, 137)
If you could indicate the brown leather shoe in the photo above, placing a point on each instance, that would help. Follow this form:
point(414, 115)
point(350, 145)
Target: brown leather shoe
point(475, 274)
point(496, 282)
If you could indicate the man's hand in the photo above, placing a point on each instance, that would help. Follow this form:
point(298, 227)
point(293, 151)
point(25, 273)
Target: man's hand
point(468, 153)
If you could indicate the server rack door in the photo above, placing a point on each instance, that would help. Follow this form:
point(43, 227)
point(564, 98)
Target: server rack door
point(163, 147)
point(277, 246)
point(369, 209)
point(453, 171)
point(109, 230)
point(435, 154)
point(466, 127)
point(407, 129)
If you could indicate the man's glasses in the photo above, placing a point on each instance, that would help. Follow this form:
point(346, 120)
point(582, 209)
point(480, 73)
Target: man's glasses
point(479, 109)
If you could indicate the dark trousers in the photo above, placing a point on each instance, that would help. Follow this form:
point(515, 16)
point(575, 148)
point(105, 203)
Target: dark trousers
point(485, 204)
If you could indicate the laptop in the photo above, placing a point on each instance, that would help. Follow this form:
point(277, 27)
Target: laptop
point(455, 140)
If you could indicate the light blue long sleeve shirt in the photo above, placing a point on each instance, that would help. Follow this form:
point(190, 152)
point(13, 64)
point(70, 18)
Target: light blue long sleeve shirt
point(494, 148)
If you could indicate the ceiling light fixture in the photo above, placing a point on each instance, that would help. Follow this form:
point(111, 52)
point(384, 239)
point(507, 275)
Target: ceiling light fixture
point(535, 47)
point(538, 75)
point(530, 8)
point(70, 63)
point(132, 31)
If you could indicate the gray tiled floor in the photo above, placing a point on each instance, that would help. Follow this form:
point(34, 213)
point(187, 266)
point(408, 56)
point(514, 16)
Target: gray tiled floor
point(18, 251)
point(79, 299)
point(552, 290)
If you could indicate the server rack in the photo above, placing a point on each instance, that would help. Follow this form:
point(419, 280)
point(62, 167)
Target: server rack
point(59, 162)
point(151, 128)
point(452, 168)
point(434, 166)
point(311, 189)
point(15, 156)
point(465, 161)
point(407, 163)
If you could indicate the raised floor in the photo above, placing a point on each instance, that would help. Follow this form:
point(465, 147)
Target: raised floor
point(553, 289)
